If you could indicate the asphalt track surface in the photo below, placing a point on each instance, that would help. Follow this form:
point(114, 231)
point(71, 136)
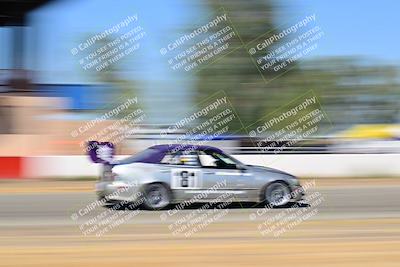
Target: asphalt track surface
point(357, 225)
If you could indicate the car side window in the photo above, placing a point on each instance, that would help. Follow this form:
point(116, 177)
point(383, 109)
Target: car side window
point(212, 159)
point(189, 159)
point(168, 158)
point(207, 160)
point(179, 158)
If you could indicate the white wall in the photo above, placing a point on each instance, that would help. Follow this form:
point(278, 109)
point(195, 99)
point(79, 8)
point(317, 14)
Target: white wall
point(330, 165)
point(321, 165)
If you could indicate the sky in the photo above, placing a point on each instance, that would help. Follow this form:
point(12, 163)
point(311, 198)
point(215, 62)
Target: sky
point(61, 26)
point(365, 28)
point(64, 24)
point(352, 28)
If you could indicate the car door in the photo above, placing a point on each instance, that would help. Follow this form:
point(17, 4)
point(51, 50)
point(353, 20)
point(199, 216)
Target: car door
point(185, 174)
point(222, 176)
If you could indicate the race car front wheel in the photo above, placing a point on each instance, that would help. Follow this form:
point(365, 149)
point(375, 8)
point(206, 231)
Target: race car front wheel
point(156, 196)
point(277, 194)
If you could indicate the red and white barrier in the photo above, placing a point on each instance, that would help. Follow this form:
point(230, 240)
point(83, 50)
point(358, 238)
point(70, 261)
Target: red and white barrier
point(11, 167)
point(306, 165)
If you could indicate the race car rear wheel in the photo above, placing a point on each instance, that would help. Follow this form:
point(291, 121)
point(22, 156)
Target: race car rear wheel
point(156, 196)
point(277, 194)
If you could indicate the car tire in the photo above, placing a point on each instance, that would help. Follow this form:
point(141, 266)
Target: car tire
point(277, 194)
point(156, 196)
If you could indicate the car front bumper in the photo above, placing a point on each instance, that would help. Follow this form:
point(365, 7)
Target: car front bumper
point(297, 193)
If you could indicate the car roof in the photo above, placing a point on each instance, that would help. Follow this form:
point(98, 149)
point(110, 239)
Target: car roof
point(155, 154)
point(179, 147)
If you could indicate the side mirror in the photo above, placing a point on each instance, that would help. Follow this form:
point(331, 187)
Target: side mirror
point(241, 167)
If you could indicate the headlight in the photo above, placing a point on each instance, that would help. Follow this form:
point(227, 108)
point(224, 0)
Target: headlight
point(294, 180)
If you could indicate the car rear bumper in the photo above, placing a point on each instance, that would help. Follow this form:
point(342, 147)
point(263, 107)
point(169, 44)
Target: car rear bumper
point(118, 191)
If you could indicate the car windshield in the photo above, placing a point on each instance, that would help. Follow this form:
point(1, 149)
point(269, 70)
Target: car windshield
point(236, 161)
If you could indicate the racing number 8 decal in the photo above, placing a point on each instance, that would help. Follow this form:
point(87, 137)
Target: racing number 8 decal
point(185, 179)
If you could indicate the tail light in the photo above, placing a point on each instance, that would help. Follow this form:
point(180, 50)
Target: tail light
point(107, 174)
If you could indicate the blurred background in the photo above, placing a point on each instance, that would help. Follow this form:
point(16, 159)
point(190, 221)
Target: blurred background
point(220, 72)
point(47, 93)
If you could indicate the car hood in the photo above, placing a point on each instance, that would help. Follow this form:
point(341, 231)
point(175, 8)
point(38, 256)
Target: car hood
point(266, 169)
